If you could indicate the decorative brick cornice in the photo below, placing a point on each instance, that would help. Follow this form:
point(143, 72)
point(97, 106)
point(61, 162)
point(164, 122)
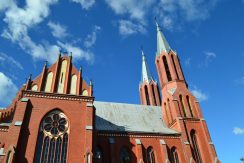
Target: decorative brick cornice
point(3, 129)
point(57, 96)
point(138, 136)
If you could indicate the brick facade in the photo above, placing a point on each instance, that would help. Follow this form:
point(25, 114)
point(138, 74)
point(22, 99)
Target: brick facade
point(21, 122)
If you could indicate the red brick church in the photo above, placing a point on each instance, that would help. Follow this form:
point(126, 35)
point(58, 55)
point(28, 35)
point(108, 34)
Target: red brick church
point(55, 119)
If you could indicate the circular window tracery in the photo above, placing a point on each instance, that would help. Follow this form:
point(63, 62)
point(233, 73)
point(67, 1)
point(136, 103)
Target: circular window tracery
point(55, 124)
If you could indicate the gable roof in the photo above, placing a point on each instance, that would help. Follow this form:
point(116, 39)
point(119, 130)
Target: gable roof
point(121, 117)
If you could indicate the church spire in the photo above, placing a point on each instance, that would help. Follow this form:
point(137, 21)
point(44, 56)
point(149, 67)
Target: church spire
point(162, 43)
point(146, 74)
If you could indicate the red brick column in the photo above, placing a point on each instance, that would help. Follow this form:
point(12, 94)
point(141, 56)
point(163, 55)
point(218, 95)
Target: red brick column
point(139, 154)
point(15, 128)
point(111, 142)
point(89, 130)
point(163, 150)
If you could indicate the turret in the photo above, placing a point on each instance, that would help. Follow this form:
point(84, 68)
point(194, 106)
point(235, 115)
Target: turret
point(149, 92)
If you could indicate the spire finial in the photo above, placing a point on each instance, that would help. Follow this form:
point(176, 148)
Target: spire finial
point(45, 63)
point(142, 52)
point(30, 76)
point(80, 68)
point(146, 74)
point(162, 43)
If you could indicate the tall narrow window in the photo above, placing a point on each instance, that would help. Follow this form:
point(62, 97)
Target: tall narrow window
point(166, 66)
point(51, 151)
point(154, 97)
point(125, 155)
point(45, 150)
point(182, 105)
point(159, 95)
point(170, 111)
point(9, 157)
point(88, 158)
point(189, 104)
point(159, 70)
point(166, 112)
point(196, 153)
point(147, 95)
point(174, 156)
point(150, 155)
point(52, 138)
point(49, 80)
point(172, 58)
point(73, 84)
point(99, 155)
point(62, 75)
point(58, 150)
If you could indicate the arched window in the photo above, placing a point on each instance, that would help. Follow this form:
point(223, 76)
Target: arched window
point(150, 155)
point(52, 138)
point(196, 153)
point(166, 66)
point(9, 157)
point(147, 95)
point(159, 70)
point(49, 80)
point(99, 155)
point(125, 155)
point(174, 155)
point(62, 75)
point(189, 104)
point(166, 112)
point(170, 111)
point(84, 92)
point(34, 87)
point(182, 105)
point(154, 97)
point(172, 58)
point(73, 84)
point(88, 158)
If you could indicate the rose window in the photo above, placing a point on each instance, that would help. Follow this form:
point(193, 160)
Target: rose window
point(55, 124)
point(53, 137)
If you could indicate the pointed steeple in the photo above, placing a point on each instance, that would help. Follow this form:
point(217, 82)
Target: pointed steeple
point(146, 74)
point(162, 43)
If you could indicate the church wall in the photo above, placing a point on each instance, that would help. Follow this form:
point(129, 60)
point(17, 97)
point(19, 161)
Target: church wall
point(111, 145)
point(76, 112)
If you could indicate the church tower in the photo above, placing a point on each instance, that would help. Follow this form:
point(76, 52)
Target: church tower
point(180, 108)
point(149, 92)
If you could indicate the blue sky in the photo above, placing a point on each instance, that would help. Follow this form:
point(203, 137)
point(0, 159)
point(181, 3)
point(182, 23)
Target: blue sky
point(105, 38)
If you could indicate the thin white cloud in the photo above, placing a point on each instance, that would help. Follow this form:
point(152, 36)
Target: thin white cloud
point(85, 4)
point(91, 38)
point(8, 90)
point(136, 9)
point(59, 31)
point(172, 13)
point(127, 27)
point(199, 94)
point(20, 20)
point(240, 81)
point(6, 59)
point(78, 52)
point(238, 131)
point(188, 62)
point(208, 58)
